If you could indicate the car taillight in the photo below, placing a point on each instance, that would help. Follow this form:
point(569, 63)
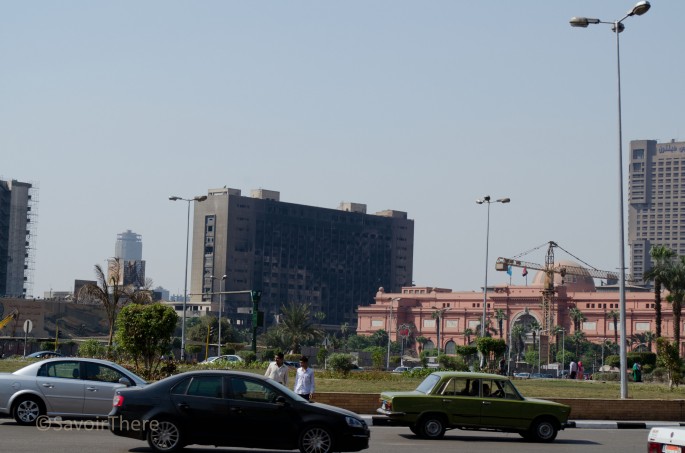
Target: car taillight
point(653, 447)
point(118, 401)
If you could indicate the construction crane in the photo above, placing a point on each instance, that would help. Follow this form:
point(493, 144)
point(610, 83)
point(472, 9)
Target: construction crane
point(7, 319)
point(550, 269)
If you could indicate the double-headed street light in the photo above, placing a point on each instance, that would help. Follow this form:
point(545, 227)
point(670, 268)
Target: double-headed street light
point(617, 26)
point(185, 279)
point(486, 200)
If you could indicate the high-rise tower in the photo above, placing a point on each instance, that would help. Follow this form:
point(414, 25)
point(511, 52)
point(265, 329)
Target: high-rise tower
point(656, 197)
point(18, 216)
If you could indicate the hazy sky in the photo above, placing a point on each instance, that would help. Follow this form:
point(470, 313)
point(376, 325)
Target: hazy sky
point(111, 107)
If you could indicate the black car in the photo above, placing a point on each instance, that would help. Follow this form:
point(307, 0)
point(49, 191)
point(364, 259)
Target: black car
point(233, 409)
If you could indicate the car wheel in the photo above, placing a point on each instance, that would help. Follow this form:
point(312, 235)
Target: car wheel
point(431, 427)
point(27, 410)
point(315, 439)
point(543, 430)
point(164, 436)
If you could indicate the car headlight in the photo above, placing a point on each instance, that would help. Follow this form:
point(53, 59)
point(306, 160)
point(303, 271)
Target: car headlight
point(354, 422)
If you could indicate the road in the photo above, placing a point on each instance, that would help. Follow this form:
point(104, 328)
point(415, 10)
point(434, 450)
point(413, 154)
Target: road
point(70, 439)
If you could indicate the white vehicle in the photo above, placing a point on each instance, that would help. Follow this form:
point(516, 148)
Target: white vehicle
point(227, 358)
point(666, 439)
point(68, 387)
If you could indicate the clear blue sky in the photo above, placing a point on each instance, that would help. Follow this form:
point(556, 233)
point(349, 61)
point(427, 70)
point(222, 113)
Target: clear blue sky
point(111, 107)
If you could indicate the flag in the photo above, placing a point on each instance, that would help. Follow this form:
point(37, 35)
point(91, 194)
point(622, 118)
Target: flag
point(525, 271)
point(509, 270)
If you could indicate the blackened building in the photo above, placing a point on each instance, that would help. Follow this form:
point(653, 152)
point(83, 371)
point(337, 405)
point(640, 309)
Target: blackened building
point(333, 259)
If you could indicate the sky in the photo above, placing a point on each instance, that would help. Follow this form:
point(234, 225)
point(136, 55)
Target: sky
point(109, 108)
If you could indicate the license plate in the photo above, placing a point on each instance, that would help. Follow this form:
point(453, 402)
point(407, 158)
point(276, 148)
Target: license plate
point(672, 449)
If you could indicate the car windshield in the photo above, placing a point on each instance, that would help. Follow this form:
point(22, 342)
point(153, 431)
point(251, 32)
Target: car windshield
point(427, 385)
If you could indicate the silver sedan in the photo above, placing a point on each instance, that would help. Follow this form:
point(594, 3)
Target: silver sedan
point(66, 387)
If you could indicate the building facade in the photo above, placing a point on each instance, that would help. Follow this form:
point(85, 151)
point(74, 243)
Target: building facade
point(18, 216)
point(332, 259)
point(656, 198)
point(128, 251)
point(449, 318)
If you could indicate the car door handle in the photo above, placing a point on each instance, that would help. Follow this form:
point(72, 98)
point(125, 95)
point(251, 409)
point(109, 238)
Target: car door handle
point(486, 403)
point(236, 409)
point(92, 389)
point(48, 386)
point(183, 406)
point(446, 400)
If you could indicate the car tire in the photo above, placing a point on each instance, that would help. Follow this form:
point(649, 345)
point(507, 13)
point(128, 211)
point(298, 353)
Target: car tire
point(431, 426)
point(164, 436)
point(26, 410)
point(542, 430)
point(315, 439)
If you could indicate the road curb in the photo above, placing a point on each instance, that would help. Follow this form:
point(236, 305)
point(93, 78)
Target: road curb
point(580, 424)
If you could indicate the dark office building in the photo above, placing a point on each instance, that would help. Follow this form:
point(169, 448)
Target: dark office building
point(332, 259)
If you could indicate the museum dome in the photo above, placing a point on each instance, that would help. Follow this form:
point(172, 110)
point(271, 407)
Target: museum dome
point(573, 283)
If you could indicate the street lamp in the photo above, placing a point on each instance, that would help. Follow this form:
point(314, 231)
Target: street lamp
point(185, 279)
point(439, 313)
point(221, 310)
point(486, 200)
point(617, 26)
point(387, 359)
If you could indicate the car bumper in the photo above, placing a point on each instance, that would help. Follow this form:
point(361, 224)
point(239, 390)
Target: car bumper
point(120, 426)
point(354, 442)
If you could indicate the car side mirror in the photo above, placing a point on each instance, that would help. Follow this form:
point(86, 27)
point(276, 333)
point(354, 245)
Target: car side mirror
point(126, 381)
point(281, 400)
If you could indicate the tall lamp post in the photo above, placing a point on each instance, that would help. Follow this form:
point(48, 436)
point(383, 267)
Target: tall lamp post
point(185, 279)
point(387, 359)
point(221, 311)
point(617, 27)
point(486, 200)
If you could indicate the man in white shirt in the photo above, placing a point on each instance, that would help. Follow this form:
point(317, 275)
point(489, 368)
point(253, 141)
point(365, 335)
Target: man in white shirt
point(304, 379)
point(573, 370)
point(278, 371)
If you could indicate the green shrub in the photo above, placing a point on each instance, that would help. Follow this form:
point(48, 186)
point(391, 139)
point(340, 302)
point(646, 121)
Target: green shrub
point(247, 356)
point(340, 363)
point(92, 348)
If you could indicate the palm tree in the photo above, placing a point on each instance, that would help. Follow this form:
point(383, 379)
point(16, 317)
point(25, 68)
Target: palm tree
point(662, 259)
point(517, 333)
point(467, 333)
point(675, 283)
point(535, 328)
point(556, 331)
point(577, 339)
point(577, 317)
point(649, 338)
point(500, 316)
point(297, 325)
point(614, 315)
point(107, 292)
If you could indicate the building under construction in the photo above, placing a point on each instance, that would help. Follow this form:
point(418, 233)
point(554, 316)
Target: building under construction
point(18, 220)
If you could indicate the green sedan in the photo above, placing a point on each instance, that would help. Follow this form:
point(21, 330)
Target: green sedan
point(447, 400)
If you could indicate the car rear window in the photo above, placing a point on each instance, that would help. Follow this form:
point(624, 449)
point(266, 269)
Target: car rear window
point(427, 385)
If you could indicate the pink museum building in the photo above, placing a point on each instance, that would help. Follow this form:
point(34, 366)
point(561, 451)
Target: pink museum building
point(412, 311)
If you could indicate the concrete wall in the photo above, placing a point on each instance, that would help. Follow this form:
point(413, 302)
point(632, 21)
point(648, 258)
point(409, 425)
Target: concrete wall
point(581, 408)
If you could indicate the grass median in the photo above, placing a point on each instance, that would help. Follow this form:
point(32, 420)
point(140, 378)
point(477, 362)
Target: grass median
point(378, 381)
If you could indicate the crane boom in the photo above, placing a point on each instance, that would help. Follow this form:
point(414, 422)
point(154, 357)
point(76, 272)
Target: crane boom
point(504, 263)
point(6, 320)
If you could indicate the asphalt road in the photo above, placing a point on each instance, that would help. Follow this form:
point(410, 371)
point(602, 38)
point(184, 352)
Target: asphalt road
point(84, 439)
